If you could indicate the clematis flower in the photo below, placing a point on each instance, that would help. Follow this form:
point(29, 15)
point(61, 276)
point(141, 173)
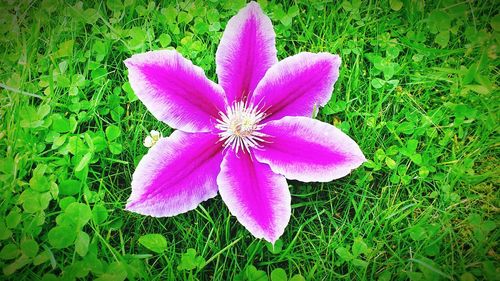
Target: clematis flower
point(242, 137)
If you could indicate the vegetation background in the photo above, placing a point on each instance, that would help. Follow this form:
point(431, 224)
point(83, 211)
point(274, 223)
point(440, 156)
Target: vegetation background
point(417, 90)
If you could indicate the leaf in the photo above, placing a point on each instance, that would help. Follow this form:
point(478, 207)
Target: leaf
point(5, 233)
point(165, 40)
point(442, 38)
point(467, 276)
point(60, 124)
point(83, 163)
point(406, 128)
point(439, 21)
point(98, 74)
point(359, 247)
point(34, 201)
point(99, 214)
point(418, 233)
point(90, 16)
point(9, 251)
point(432, 250)
point(78, 213)
point(190, 261)
point(390, 163)
point(116, 271)
point(334, 107)
point(41, 258)
point(344, 254)
point(416, 158)
point(377, 83)
point(411, 146)
point(114, 5)
point(43, 110)
point(40, 183)
point(17, 264)
point(69, 187)
point(359, 263)
point(276, 248)
point(128, 89)
point(154, 242)
point(396, 5)
point(278, 274)
point(385, 276)
point(13, 218)
point(495, 22)
point(183, 17)
point(286, 20)
point(297, 277)
point(82, 243)
point(65, 202)
point(346, 5)
point(61, 237)
point(29, 248)
point(253, 274)
point(115, 148)
point(113, 132)
point(65, 49)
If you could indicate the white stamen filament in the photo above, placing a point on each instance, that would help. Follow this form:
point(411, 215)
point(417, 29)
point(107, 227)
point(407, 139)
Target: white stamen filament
point(240, 127)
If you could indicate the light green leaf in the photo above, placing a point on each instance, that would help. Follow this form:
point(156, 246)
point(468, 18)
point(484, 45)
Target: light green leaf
point(69, 187)
point(29, 248)
point(417, 233)
point(442, 38)
point(396, 5)
point(344, 254)
point(190, 260)
point(113, 132)
point(82, 243)
point(83, 163)
point(99, 214)
point(9, 251)
point(115, 148)
point(297, 277)
point(154, 242)
point(79, 213)
point(390, 163)
point(359, 247)
point(61, 237)
point(278, 274)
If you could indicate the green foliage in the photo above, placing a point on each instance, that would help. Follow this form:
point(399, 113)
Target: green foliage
point(417, 90)
point(190, 260)
point(154, 242)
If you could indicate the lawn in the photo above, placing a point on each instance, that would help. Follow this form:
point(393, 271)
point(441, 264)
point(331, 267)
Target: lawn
point(417, 91)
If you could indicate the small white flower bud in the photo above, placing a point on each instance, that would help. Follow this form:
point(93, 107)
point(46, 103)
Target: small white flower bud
point(149, 142)
point(155, 135)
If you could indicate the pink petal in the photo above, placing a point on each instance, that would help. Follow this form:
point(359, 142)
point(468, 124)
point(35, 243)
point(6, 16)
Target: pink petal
point(177, 174)
point(259, 198)
point(246, 51)
point(297, 84)
point(175, 90)
point(307, 150)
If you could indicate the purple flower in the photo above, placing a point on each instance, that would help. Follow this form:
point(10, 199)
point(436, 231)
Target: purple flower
point(242, 137)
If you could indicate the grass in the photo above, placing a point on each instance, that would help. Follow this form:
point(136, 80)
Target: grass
point(417, 91)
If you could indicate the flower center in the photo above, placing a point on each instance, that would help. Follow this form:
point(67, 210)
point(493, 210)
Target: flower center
point(240, 127)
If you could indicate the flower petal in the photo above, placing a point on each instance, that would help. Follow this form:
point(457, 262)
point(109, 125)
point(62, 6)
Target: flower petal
point(297, 84)
point(246, 51)
point(259, 198)
point(175, 91)
point(307, 150)
point(177, 174)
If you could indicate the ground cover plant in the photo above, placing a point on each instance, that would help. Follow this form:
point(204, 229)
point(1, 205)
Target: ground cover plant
point(417, 90)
